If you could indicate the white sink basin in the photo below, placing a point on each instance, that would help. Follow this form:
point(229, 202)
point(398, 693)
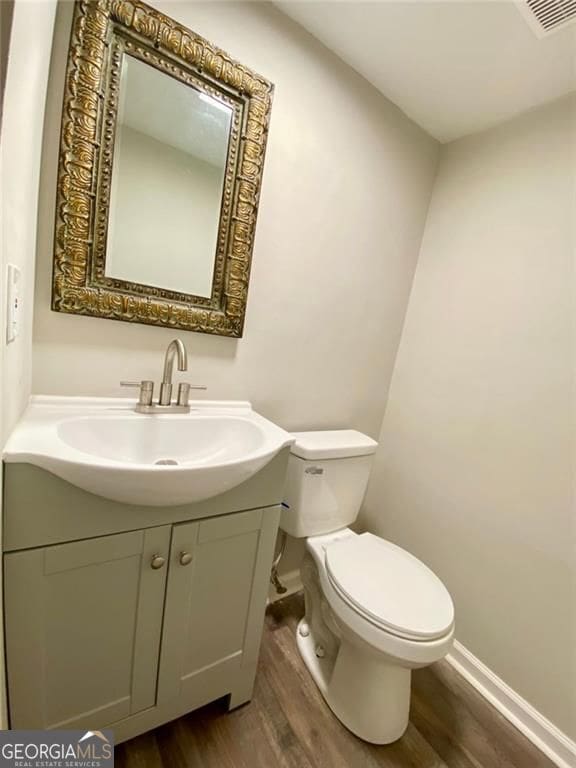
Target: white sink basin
point(104, 447)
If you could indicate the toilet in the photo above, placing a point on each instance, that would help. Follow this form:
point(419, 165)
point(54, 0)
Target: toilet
point(373, 611)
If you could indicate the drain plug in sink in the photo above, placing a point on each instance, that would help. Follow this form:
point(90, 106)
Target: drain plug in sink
point(166, 462)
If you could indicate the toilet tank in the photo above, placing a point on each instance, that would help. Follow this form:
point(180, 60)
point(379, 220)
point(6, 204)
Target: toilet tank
point(326, 481)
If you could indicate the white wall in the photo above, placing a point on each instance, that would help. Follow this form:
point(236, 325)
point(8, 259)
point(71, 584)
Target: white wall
point(475, 470)
point(346, 187)
point(20, 148)
point(6, 10)
point(162, 233)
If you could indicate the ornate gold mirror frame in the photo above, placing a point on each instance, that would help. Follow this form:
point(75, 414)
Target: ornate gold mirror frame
point(103, 31)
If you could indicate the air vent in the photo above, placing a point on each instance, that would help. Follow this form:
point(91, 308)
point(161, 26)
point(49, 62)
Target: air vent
point(547, 16)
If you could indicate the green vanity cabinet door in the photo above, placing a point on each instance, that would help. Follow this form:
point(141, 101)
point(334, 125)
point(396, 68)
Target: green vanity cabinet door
point(215, 602)
point(83, 628)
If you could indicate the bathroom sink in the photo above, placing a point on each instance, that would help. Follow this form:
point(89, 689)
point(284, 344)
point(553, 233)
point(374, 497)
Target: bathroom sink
point(102, 446)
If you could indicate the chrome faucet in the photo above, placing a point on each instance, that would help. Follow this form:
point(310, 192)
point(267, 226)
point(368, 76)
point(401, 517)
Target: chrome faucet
point(175, 347)
point(145, 402)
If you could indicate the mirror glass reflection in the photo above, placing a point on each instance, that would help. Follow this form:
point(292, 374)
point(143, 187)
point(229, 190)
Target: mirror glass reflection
point(167, 181)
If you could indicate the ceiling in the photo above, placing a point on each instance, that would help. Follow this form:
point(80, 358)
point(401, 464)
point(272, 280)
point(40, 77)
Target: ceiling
point(173, 113)
point(454, 67)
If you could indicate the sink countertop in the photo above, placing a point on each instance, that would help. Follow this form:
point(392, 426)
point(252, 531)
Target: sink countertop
point(104, 447)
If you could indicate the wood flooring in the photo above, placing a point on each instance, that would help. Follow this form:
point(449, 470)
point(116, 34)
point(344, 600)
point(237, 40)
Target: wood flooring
point(288, 725)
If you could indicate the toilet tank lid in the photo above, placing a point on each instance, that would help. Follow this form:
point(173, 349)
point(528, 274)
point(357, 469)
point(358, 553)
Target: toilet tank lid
point(332, 444)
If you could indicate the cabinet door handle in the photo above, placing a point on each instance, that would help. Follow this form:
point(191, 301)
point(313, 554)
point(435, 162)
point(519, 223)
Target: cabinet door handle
point(157, 562)
point(185, 558)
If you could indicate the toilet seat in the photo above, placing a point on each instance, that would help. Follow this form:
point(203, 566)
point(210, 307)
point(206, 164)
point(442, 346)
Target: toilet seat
point(389, 587)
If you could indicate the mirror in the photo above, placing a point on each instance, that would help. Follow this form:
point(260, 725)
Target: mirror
point(161, 159)
point(167, 180)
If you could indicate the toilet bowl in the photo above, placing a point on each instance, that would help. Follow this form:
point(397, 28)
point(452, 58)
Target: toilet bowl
point(373, 611)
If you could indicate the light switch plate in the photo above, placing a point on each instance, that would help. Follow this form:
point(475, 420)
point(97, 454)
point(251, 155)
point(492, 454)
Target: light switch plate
point(13, 301)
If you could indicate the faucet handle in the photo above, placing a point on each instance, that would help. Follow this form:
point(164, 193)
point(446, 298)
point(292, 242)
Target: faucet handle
point(146, 388)
point(184, 391)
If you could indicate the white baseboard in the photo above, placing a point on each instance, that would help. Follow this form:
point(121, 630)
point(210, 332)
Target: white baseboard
point(291, 581)
point(541, 732)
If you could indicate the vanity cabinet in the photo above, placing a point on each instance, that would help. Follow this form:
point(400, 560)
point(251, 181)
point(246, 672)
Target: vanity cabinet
point(211, 570)
point(83, 625)
point(133, 628)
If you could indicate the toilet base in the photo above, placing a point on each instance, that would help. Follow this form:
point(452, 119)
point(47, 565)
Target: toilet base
point(370, 696)
point(367, 690)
